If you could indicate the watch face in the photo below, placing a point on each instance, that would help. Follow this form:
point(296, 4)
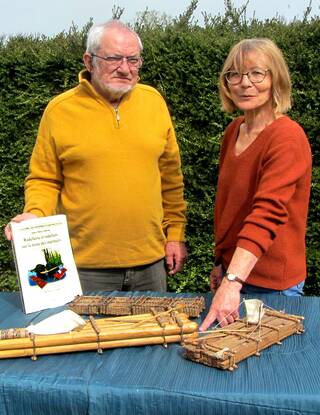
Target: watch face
point(231, 277)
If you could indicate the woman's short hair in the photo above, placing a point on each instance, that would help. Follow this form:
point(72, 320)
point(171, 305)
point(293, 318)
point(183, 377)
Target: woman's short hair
point(281, 84)
point(97, 31)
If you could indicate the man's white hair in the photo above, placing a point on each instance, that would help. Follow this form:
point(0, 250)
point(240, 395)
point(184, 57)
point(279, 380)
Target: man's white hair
point(97, 31)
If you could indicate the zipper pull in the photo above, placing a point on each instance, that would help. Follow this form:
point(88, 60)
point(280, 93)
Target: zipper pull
point(117, 115)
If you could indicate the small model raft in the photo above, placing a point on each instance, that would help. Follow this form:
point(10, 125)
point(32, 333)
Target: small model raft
point(262, 327)
point(67, 332)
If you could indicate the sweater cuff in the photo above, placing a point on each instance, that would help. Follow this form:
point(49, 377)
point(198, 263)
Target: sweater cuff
point(176, 232)
point(36, 212)
point(250, 246)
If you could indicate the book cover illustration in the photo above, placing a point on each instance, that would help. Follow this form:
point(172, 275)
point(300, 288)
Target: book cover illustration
point(46, 270)
point(53, 269)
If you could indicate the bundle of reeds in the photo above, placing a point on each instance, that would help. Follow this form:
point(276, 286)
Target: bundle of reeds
point(97, 334)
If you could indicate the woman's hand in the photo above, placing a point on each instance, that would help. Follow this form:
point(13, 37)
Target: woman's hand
point(226, 301)
point(225, 305)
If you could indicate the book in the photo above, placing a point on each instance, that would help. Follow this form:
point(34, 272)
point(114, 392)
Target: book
point(46, 270)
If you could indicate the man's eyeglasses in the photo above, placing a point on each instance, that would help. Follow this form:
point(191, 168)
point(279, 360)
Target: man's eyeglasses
point(133, 62)
point(255, 76)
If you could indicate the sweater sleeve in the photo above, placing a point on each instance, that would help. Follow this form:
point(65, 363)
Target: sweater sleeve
point(284, 163)
point(44, 182)
point(174, 206)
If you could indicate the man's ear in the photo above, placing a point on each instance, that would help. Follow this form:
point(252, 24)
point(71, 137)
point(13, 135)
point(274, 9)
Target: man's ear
point(87, 60)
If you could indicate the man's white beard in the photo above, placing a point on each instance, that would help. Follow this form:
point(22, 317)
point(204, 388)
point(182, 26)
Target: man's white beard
point(112, 93)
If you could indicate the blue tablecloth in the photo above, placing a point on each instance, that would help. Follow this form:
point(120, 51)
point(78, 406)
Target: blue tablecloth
point(154, 380)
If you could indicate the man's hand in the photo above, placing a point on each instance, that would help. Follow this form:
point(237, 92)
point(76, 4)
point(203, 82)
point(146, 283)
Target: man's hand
point(216, 276)
point(176, 256)
point(225, 305)
point(18, 218)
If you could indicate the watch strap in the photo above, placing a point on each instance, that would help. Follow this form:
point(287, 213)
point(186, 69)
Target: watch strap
point(233, 277)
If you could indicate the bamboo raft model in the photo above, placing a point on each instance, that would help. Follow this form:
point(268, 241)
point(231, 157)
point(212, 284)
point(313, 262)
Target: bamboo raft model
point(223, 348)
point(121, 306)
point(98, 334)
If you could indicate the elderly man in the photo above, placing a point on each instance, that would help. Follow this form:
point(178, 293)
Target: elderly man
point(106, 155)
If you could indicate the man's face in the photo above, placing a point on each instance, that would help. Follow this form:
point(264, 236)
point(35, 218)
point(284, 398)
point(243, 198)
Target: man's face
point(113, 79)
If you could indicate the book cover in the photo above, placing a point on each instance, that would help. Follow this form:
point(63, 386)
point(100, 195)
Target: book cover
point(46, 269)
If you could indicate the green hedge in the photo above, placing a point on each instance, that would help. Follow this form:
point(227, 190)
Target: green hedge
point(182, 59)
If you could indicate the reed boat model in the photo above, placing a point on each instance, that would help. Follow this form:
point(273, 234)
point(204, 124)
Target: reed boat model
point(98, 334)
point(224, 348)
point(120, 306)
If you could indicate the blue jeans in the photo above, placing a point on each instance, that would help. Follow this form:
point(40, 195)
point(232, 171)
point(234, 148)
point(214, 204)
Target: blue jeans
point(296, 290)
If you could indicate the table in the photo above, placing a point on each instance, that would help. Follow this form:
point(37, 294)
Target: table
point(154, 380)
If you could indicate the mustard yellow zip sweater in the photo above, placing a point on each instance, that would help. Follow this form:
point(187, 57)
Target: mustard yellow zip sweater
point(116, 174)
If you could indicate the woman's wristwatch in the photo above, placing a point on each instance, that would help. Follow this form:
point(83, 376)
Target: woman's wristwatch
point(233, 277)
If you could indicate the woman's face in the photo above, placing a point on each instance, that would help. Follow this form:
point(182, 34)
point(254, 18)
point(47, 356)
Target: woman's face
point(249, 95)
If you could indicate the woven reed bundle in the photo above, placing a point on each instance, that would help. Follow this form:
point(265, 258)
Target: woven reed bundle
point(120, 306)
point(104, 333)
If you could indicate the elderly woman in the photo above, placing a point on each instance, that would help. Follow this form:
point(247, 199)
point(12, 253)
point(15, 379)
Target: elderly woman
point(263, 186)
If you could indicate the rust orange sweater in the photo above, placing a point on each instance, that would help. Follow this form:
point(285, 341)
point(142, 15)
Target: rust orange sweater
point(262, 202)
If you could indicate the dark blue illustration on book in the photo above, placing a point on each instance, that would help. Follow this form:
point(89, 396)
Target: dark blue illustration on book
point(52, 271)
